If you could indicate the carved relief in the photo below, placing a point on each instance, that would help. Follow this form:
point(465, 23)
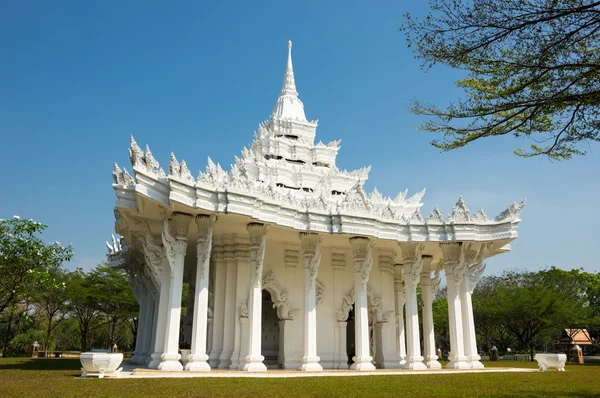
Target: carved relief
point(374, 304)
point(279, 296)
point(258, 241)
point(362, 249)
point(205, 226)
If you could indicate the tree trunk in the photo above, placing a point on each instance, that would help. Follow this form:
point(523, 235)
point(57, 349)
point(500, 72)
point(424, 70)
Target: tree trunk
point(48, 333)
point(8, 331)
point(531, 352)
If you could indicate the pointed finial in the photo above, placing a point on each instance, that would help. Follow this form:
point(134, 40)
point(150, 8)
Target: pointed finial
point(289, 44)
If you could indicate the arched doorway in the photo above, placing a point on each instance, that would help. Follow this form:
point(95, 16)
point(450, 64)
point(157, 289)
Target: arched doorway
point(270, 332)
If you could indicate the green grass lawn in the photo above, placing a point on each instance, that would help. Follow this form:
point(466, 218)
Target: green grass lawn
point(20, 377)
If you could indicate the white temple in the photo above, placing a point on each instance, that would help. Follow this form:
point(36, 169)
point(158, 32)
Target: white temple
point(290, 263)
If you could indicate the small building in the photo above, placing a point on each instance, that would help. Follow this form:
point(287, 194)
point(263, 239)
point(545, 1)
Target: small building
point(581, 337)
point(290, 263)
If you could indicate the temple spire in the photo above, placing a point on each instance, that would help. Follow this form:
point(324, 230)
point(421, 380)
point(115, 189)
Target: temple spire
point(288, 105)
point(289, 85)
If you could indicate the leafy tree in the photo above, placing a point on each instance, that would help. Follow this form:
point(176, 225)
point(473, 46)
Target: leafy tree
point(25, 260)
point(531, 304)
point(50, 302)
point(82, 306)
point(533, 71)
point(109, 287)
point(593, 307)
point(440, 322)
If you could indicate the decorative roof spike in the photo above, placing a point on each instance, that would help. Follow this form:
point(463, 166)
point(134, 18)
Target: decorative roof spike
point(174, 167)
point(416, 198)
point(151, 163)
point(376, 195)
point(127, 178)
point(512, 213)
point(417, 218)
point(401, 196)
point(116, 174)
point(185, 172)
point(211, 165)
point(460, 212)
point(136, 156)
point(436, 216)
point(480, 216)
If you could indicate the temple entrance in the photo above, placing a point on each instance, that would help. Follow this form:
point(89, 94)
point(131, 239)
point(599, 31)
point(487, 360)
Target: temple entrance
point(270, 332)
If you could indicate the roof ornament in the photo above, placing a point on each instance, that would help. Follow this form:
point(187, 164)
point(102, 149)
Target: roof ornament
point(288, 105)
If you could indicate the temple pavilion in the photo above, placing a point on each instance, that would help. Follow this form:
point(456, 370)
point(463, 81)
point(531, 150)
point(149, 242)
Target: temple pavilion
point(290, 263)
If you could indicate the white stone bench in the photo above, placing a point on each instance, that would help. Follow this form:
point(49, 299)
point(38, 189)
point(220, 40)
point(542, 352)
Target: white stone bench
point(100, 364)
point(551, 361)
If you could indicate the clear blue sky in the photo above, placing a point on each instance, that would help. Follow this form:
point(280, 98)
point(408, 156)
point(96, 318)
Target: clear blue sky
point(196, 78)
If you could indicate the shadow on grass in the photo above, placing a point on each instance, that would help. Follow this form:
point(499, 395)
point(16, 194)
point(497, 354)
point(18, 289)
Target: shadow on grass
point(40, 364)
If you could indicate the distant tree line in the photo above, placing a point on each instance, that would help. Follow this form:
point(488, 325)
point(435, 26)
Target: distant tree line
point(60, 309)
point(527, 311)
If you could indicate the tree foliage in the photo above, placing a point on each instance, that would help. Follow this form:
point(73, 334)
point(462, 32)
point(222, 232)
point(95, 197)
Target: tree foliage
point(114, 298)
point(25, 260)
point(533, 71)
point(530, 307)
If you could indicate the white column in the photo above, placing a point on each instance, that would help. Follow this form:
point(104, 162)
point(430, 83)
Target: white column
point(220, 268)
point(342, 355)
point(141, 330)
point(152, 340)
point(229, 308)
point(312, 258)
point(412, 265)
point(386, 337)
point(198, 357)
point(244, 340)
point(258, 240)
point(241, 304)
point(338, 263)
point(161, 316)
point(400, 301)
point(363, 262)
point(290, 330)
point(148, 324)
point(428, 287)
point(472, 273)
point(453, 265)
point(175, 242)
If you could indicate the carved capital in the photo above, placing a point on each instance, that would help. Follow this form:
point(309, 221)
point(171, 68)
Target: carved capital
point(180, 223)
point(205, 226)
point(256, 231)
point(361, 247)
point(310, 242)
point(451, 252)
point(411, 251)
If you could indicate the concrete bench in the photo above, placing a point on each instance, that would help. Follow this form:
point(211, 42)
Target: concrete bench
point(551, 361)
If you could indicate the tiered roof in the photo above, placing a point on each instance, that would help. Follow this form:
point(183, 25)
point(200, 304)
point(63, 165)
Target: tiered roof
point(287, 179)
